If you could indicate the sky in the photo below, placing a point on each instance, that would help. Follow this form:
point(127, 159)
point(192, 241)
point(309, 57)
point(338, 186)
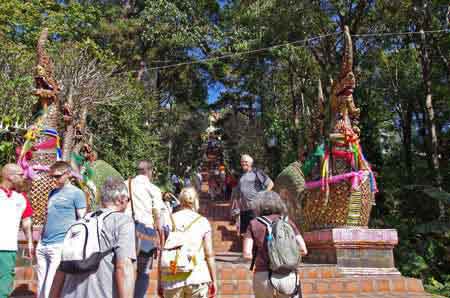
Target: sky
point(216, 88)
point(214, 91)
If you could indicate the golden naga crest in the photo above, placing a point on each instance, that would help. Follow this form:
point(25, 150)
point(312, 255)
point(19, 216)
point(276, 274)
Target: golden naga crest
point(343, 109)
point(47, 88)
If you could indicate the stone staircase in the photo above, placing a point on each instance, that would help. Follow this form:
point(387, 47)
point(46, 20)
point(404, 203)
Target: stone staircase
point(317, 280)
point(235, 278)
point(225, 235)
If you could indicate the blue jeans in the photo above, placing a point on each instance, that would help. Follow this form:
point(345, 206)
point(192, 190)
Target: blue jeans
point(144, 266)
point(144, 261)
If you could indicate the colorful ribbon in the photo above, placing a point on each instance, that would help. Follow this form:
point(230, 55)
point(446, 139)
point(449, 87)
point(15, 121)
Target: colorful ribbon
point(356, 180)
point(313, 159)
point(30, 171)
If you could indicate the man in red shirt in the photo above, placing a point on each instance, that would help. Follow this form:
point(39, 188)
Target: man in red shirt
point(14, 210)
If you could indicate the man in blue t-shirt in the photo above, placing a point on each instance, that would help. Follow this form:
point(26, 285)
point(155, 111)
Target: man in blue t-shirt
point(66, 204)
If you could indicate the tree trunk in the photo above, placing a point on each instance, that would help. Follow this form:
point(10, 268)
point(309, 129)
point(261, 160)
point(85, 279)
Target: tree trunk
point(433, 154)
point(295, 103)
point(69, 133)
point(407, 142)
point(295, 109)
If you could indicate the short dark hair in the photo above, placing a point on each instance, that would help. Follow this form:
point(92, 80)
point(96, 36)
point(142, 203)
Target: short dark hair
point(60, 166)
point(267, 203)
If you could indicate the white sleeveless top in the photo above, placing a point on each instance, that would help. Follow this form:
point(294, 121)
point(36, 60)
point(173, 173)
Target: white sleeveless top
point(199, 229)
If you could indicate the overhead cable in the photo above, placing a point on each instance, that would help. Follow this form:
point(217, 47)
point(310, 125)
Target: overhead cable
point(305, 41)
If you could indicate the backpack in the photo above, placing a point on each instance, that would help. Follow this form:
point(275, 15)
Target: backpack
point(260, 179)
point(82, 250)
point(179, 252)
point(282, 249)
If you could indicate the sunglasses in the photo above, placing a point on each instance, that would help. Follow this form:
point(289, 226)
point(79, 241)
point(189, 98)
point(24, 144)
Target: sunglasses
point(127, 199)
point(57, 176)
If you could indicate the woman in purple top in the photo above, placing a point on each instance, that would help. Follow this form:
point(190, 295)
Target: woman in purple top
point(269, 205)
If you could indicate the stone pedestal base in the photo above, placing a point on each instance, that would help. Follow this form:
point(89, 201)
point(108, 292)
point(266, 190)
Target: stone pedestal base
point(355, 251)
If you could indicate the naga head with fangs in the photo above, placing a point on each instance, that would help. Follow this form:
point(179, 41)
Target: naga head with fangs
point(345, 114)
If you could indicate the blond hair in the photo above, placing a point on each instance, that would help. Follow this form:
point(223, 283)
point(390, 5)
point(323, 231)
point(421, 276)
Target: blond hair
point(189, 198)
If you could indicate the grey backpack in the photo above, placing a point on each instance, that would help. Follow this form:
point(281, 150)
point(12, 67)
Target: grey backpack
point(283, 251)
point(282, 248)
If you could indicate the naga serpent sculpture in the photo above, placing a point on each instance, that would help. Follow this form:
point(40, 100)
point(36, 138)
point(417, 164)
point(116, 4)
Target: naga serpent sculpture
point(42, 145)
point(335, 186)
point(42, 141)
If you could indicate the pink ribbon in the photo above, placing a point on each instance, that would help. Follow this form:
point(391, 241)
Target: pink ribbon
point(30, 171)
point(27, 169)
point(49, 144)
point(356, 179)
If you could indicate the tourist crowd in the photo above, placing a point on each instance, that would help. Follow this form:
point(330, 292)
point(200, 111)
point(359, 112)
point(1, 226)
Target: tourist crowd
point(110, 252)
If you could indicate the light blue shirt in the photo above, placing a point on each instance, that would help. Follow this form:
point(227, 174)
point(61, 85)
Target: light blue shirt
point(61, 212)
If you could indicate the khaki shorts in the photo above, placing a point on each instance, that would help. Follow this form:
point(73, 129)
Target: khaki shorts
point(194, 291)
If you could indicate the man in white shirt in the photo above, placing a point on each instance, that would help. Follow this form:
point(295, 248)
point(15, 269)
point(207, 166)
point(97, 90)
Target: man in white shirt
point(145, 207)
point(14, 210)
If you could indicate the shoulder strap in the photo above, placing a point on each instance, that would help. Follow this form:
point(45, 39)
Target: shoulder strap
point(100, 223)
point(268, 223)
point(258, 178)
point(172, 219)
point(265, 221)
point(130, 193)
point(192, 223)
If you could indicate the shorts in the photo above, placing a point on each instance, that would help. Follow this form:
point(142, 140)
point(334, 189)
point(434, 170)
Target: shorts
point(7, 272)
point(146, 245)
point(246, 217)
point(194, 291)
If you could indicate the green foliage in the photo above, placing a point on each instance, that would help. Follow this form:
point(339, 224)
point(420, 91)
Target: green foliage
point(122, 137)
point(102, 171)
point(269, 97)
point(6, 152)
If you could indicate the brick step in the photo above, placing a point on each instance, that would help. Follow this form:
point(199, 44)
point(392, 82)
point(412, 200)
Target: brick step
point(225, 237)
point(223, 222)
point(215, 210)
point(358, 284)
point(235, 280)
point(372, 295)
point(225, 230)
point(228, 247)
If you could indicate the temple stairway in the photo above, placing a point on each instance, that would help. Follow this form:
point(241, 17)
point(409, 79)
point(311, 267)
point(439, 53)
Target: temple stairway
point(234, 276)
point(235, 279)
